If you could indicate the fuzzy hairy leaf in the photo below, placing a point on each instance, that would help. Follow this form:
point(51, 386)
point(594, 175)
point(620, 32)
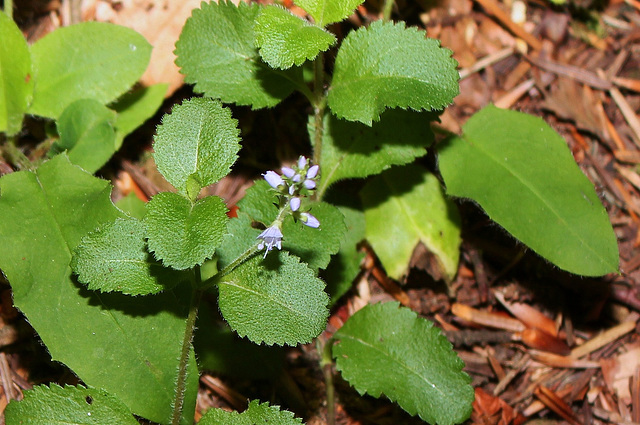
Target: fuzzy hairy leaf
point(132, 206)
point(115, 258)
point(256, 413)
point(288, 302)
point(523, 175)
point(16, 84)
point(354, 150)
point(387, 349)
point(405, 206)
point(45, 214)
point(44, 405)
point(240, 237)
point(135, 107)
point(183, 235)
point(313, 246)
point(91, 60)
point(217, 53)
point(286, 40)
point(325, 12)
point(196, 145)
point(386, 66)
point(87, 134)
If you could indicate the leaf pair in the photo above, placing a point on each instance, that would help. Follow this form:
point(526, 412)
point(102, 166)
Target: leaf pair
point(384, 66)
point(195, 146)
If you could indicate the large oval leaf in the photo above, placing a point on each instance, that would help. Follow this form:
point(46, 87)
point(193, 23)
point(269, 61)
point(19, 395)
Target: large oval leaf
point(386, 66)
point(387, 349)
point(93, 60)
point(16, 84)
point(275, 300)
point(108, 340)
point(523, 175)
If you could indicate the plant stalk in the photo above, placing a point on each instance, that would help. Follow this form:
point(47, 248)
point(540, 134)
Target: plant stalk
point(326, 363)
point(387, 9)
point(15, 156)
point(8, 8)
point(181, 383)
point(318, 110)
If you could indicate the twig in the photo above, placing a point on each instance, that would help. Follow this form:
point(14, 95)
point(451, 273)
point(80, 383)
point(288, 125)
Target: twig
point(494, 8)
point(486, 61)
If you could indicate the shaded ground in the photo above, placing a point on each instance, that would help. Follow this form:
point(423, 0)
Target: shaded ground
point(539, 344)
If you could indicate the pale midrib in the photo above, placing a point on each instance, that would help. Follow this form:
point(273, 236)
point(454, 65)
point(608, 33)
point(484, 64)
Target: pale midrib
point(537, 194)
point(260, 294)
point(398, 361)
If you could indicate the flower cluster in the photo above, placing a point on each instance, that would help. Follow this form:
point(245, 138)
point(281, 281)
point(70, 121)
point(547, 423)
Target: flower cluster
point(294, 184)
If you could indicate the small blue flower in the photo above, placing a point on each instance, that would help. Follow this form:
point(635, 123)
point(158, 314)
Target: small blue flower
point(309, 220)
point(295, 204)
point(273, 179)
point(313, 171)
point(272, 236)
point(289, 172)
point(309, 184)
point(302, 162)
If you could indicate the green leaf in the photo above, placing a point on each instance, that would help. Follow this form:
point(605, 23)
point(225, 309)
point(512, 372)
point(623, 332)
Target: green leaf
point(132, 206)
point(93, 60)
point(108, 340)
point(352, 150)
point(87, 133)
point(115, 258)
point(285, 39)
point(135, 107)
point(288, 303)
point(523, 175)
point(183, 235)
point(217, 53)
point(222, 351)
point(44, 405)
point(345, 265)
point(405, 206)
point(313, 246)
point(240, 237)
point(387, 349)
point(196, 145)
point(386, 66)
point(256, 413)
point(325, 12)
point(16, 84)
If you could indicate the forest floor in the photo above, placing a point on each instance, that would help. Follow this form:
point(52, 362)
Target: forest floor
point(541, 346)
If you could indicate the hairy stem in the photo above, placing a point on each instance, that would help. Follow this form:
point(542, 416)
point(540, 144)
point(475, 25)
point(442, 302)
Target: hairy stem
point(8, 8)
point(318, 110)
point(386, 11)
point(181, 383)
point(15, 156)
point(327, 370)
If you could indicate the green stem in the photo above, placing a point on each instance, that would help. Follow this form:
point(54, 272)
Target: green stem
point(318, 112)
point(16, 156)
point(213, 280)
point(181, 384)
point(327, 370)
point(386, 10)
point(8, 8)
